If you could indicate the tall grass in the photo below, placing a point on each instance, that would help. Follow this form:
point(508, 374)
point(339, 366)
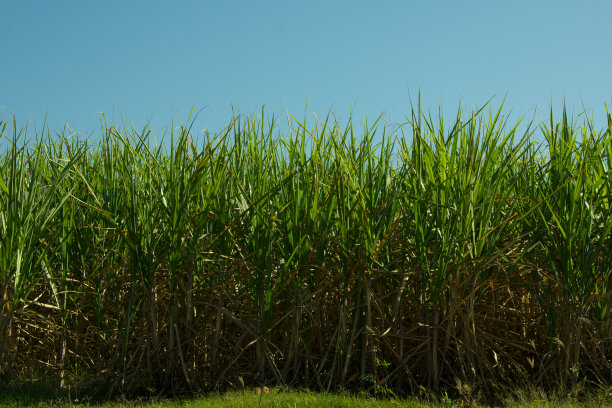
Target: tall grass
point(329, 256)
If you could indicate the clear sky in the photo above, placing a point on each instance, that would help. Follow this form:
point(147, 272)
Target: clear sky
point(149, 60)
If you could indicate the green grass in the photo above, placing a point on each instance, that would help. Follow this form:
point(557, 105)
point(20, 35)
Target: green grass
point(291, 399)
point(461, 257)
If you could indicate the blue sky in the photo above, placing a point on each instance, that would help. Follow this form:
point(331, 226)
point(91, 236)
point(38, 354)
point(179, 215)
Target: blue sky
point(149, 61)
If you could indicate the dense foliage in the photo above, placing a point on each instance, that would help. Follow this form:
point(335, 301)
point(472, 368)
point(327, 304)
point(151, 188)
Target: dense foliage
point(321, 256)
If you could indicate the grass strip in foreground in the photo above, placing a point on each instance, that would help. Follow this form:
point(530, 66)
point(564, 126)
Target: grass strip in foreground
point(280, 399)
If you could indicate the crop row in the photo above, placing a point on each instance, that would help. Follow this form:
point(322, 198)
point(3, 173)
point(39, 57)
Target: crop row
point(321, 255)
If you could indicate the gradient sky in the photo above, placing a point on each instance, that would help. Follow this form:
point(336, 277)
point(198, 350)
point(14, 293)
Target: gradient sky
point(150, 61)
